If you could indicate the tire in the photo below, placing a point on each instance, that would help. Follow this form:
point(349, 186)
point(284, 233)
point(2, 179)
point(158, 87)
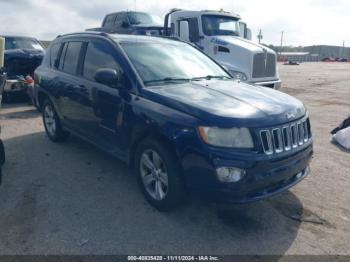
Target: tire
point(2, 153)
point(164, 164)
point(52, 123)
point(2, 158)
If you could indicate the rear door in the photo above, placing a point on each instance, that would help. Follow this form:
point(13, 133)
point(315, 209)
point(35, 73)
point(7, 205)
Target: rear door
point(68, 81)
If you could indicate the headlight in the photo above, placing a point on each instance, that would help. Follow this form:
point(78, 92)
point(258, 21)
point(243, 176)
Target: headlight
point(238, 75)
point(227, 137)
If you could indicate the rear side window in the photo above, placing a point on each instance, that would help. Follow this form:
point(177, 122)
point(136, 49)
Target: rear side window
point(120, 19)
point(109, 20)
point(54, 55)
point(71, 58)
point(99, 55)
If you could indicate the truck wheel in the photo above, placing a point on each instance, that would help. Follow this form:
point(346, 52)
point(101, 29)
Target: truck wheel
point(52, 123)
point(159, 175)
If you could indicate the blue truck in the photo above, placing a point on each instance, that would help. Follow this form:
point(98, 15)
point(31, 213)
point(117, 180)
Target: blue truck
point(131, 22)
point(175, 115)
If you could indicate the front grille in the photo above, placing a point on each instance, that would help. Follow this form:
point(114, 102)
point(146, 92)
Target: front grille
point(264, 65)
point(288, 137)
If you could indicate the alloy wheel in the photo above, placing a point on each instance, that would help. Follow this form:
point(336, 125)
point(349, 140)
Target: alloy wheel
point(154, 174)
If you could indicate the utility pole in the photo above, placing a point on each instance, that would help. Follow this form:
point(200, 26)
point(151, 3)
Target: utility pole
point(281, 48)
point(260, 36)
point(343, 50)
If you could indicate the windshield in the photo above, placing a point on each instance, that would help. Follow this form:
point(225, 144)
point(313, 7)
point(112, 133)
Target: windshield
point(22, 43)
point(170, 62)
point(220, 25)
point(137, 18)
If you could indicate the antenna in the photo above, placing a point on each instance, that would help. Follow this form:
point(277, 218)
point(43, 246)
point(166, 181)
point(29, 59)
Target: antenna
point(281, 49)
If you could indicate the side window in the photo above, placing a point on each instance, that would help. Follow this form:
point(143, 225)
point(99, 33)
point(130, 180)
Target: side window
point(54, 55)
point(194, 30)
point(63, 54)
point(71, 58)
point(109, 20)
point(98, 55)
point(120, 19)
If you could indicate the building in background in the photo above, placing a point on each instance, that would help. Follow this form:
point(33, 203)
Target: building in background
point(298, 57)
point(327, 51)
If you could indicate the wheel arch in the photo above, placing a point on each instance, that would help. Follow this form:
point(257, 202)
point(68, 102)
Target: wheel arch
point(41, 98)
point(141, 133)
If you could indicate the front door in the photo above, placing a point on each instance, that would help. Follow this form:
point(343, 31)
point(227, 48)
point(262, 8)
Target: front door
point(102, 105)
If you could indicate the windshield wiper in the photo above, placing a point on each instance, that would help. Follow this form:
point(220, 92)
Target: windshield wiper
point(209, 77)
point(167, 79)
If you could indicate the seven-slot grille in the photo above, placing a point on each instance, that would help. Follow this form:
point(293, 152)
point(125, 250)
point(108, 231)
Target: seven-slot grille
point(264, 65)
point(285, 138)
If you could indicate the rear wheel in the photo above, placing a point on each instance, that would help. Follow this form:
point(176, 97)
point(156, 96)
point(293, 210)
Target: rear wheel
point(52, 123)
point(159, 175)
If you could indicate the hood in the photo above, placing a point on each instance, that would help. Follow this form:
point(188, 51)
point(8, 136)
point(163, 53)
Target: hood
point(21, 62)
point(229, 103)
point(23, 53)
point(243, 43)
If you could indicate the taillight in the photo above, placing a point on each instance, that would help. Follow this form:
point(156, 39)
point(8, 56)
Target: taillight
point(29, 80)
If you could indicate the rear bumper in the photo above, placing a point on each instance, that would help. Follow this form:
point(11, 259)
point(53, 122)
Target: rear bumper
point(275, 84)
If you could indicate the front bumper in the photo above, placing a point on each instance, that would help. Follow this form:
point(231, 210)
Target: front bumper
point(275, 84)
point(265, 175)
point(15, 85)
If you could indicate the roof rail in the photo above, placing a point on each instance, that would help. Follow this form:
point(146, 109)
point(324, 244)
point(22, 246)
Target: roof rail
point(85, 33)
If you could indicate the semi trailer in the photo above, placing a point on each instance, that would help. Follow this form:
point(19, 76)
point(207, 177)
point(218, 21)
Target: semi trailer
point(221, 35)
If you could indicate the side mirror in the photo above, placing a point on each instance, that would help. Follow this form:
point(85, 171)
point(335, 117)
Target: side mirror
point(110, 77)
point(184, 31)
point(125, 24)
point(248, 34)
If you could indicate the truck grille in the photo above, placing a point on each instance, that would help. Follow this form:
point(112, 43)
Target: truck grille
point(264, 65)
point(288, 137)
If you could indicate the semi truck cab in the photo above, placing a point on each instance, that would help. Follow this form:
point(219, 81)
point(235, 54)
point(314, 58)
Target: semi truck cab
point(225, 38)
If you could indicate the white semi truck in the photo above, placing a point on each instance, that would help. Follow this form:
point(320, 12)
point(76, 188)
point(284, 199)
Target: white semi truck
point(224, 37)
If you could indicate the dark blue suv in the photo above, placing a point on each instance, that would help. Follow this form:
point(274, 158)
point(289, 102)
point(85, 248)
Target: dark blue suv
point(175, 115)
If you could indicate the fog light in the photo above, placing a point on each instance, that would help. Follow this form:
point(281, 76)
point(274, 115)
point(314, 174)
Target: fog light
point(230, 174)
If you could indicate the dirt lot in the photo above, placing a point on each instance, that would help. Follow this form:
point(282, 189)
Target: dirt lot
point(74, 199)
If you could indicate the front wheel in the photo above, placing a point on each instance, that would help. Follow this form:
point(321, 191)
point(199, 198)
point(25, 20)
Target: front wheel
point(52, 123)
point(159, 175)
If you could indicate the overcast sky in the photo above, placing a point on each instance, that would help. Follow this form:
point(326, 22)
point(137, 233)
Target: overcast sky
point(305, 22)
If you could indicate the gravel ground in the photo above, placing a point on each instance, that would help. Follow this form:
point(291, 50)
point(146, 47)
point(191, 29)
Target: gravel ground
point(72, 198)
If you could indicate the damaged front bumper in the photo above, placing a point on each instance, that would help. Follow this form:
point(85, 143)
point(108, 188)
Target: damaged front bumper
point(15, 85)
point(19, 86)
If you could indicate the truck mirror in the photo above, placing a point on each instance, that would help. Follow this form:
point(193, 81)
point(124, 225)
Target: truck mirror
point(248, 34)
point(184, 31)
